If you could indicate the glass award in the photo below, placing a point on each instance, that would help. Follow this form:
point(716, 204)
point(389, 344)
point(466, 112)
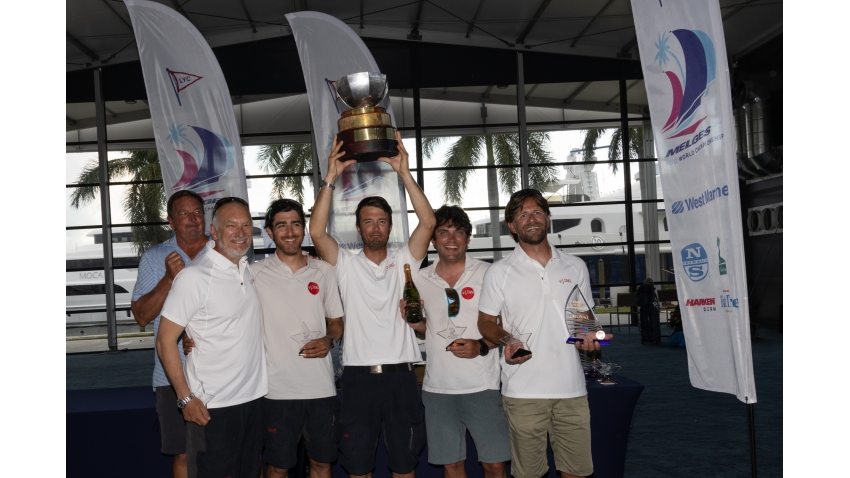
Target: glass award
point(305, 336)
point(517, 340)
point(580, 318)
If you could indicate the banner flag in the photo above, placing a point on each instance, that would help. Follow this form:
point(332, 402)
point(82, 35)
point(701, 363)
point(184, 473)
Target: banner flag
point(329, 50)
point(195, 129)
point(683, 56)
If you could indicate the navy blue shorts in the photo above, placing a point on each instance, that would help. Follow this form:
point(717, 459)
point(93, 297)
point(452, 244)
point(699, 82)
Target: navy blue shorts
point(371, 402)
point(284, 421)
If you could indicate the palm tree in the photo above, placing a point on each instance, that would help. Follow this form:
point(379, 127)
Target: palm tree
point(145, 203)
point(498, 149)
point(142, 203)
point(615, 150)
point(287, 159)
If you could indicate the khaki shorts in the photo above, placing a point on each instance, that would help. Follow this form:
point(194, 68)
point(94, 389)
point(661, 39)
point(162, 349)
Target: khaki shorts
point(567, 423)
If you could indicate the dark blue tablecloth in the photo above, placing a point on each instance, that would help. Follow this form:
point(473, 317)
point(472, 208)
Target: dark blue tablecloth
point(114, 432)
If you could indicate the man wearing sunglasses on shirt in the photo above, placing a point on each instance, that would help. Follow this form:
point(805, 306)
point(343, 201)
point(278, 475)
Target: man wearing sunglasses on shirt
point(379, 387)
point(461, 386)
point(214, 299)
point(543, 391)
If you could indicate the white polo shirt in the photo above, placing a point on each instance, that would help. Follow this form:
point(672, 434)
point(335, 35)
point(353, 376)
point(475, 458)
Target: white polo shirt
point(531, 299)
point(216, 301)
point(294, 310)
point(375, 333)
point(445, 373)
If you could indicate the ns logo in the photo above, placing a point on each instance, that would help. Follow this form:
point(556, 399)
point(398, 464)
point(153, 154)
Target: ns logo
point(695, 262)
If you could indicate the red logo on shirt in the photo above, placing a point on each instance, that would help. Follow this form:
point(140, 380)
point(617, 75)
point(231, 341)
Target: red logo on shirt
point(271, 430)
point(564, 281)
point(313, 288)
point(390, 266)
point(467, 293)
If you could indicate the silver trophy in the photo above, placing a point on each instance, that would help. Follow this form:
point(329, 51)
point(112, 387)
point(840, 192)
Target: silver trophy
point(366, 130)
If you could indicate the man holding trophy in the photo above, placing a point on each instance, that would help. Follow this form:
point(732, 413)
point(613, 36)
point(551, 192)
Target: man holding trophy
point(543, 385)
point(380, 389)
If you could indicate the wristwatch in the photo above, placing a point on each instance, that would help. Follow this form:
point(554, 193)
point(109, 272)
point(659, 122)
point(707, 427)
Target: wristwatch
point(484, 348)
point(332, 340)
point(182, 403)
point(325, 183)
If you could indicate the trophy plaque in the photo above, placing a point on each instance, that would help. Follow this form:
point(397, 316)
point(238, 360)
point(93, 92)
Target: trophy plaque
point(580, 318)
point(366, 130)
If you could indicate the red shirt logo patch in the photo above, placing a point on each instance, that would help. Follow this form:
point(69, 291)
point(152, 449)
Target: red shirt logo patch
point(467, 293)
point(313, 288)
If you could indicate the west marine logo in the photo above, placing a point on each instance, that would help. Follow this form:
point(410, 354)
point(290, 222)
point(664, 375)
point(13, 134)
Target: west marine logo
point(696, 71)
point(695, 262)
point(180, 81)
point(215, 152)
point(697, 202)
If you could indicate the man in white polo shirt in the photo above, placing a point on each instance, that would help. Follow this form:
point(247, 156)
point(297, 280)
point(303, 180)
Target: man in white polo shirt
point(379, 387)
point(543, 392)
point(461, 386)
point(302, 318)
point(215, 300)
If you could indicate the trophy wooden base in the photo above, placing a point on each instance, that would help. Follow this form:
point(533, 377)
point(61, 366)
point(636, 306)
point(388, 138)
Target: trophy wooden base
point(369, 150)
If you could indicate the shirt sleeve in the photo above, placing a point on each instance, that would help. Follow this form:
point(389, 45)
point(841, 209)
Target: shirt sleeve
point(185, 298)
point(146, 279)
point(492, 296)
point(342, 260)
point(332, 301)
point(405, 257)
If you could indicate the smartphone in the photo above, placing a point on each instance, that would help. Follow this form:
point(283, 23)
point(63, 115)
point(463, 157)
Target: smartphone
point(520, 353)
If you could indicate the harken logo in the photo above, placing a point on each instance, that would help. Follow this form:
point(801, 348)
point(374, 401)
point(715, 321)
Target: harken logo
point(207, 157)
point(700, 302)
point(690, 77)
point(695, 262)
point(180, 81)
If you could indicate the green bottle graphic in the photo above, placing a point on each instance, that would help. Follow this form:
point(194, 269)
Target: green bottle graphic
point(721, 260)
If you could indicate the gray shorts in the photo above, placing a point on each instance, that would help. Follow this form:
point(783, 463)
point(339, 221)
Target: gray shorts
point(447, 417)
point(171, 423)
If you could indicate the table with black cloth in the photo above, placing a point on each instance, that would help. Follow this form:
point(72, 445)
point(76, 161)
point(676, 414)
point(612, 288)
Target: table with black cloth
point(114, 432)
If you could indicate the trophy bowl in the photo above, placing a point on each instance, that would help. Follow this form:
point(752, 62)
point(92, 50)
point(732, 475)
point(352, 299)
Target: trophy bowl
point(366, 130)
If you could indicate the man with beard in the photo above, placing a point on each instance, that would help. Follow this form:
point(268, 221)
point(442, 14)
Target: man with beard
point(544, 392)
point(379, 386)
point(215, 300)
point(157, 269)
point(461, 386)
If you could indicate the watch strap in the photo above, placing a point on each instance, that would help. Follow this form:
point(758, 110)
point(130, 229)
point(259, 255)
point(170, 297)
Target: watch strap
point(485, 349)
point(325, 183)
point(184, 401)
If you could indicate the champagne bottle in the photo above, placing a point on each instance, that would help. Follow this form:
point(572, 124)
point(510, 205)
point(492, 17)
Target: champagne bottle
point(412, 307)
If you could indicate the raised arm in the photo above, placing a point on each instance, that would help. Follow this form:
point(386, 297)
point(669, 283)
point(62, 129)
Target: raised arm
point(166, 347)
point(325, 244)
point(421, 236)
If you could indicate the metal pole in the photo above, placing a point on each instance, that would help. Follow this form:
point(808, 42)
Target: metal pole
point(105, 214)
point(627, 172)
point(751, 422)
point(417, 119)
point(520, 113)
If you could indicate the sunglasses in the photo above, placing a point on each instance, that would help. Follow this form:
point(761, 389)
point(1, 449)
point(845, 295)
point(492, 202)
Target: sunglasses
point(228, 200)
point(454, 302)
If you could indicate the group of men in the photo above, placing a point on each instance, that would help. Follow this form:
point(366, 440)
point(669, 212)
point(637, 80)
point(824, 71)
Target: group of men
point(255, 373)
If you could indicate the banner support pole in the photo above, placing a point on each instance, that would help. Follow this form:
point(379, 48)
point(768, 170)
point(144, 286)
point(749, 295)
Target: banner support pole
point(751, 426)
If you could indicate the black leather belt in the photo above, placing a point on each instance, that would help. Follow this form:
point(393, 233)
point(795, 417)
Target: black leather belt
point(383, 368)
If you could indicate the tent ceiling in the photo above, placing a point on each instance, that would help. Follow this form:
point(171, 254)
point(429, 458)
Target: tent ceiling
point(101, 28)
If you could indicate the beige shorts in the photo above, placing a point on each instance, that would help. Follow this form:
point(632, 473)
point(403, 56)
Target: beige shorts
point(567, 423)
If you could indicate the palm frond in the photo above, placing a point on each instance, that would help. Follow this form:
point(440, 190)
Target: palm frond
point(465, 152)
point(540, 177)
point(293, 158)
point(591, 138)
point(506, 153)
point(431, 142)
